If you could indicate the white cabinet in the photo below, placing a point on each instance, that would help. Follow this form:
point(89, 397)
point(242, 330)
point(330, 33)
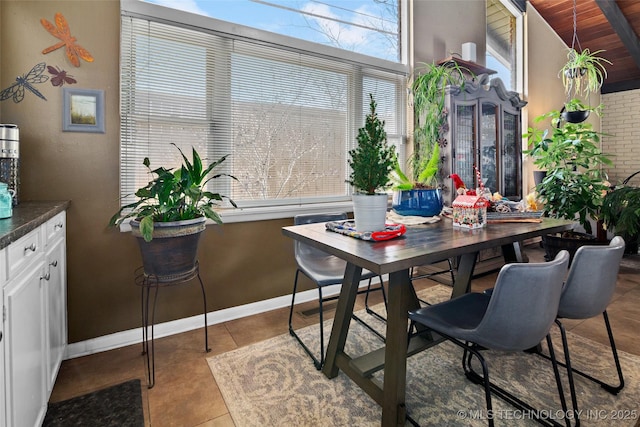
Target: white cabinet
point(34, 322)
point(56, 296)
point(25, 368)
point(3, 278)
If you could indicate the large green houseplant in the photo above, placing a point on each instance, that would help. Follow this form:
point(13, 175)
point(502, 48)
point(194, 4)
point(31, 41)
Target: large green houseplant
point(575, 183)
point(417, 189)
point(171, 209)
point(620, 213)
point(371, 161)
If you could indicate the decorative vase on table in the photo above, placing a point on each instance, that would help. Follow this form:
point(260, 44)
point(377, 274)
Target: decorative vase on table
point(418, 202)
point(370, 211)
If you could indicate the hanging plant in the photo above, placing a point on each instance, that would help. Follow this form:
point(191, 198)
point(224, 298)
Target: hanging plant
point(584, 72)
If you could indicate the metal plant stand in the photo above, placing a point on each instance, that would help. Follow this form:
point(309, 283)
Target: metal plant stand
point(148, 283)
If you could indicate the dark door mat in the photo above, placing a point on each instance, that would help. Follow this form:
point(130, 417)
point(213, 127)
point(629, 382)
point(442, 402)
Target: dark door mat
point(117, 406)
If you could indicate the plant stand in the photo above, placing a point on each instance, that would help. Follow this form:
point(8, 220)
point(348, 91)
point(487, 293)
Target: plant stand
point(148, 283)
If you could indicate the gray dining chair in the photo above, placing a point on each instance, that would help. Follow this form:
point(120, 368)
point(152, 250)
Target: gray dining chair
point(587, 292)
point(325, 270)
point(516, 317)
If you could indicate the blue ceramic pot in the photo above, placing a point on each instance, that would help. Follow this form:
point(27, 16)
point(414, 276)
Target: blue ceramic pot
point(417, 202)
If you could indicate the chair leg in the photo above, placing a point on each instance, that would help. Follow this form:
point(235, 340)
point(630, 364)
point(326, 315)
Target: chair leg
point(567, 365)
point(317, 363)
point(613, 389)
point(505, 395)
point(384, 298)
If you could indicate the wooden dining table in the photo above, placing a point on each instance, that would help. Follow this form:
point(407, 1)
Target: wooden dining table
point(420, 245)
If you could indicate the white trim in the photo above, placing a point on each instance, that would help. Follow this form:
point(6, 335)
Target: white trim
point(134, 336)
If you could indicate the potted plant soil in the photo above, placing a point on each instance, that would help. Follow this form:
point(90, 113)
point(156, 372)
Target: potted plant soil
point(371, 161)
point(170, 214)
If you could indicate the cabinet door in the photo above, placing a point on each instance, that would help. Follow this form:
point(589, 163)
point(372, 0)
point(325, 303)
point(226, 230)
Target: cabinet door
point(56, 297)
point(511, 159)
point(465, 143)
point(488, 146)
point(24, 338)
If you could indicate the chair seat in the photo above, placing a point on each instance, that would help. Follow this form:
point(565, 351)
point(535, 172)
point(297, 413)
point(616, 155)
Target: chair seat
point(446, 316)
point(327, 270)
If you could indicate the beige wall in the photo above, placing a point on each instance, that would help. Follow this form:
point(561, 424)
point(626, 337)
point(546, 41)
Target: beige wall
point(441, 26)
point(240, 263)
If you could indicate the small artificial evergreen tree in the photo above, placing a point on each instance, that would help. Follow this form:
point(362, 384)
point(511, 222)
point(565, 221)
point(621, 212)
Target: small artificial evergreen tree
point(372, 160)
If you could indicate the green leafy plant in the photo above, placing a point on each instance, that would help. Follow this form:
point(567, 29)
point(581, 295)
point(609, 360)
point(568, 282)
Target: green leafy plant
point(575, 183)
point(429, 90)
point(576, 104)
point(583, 72)
point(621, 211)
point(174, 195)
point(372, 160)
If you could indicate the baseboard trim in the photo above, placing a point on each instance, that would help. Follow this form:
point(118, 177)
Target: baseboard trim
point(134, 336)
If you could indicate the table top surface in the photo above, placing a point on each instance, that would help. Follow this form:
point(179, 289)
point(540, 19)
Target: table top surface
point(423, 244)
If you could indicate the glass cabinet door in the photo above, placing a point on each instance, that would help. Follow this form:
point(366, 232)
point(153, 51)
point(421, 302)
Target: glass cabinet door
point(465, 143)
point(488, 152)
point(511, 156)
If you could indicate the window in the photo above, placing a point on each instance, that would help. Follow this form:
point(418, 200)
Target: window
point(504, 42)
point(286, 110)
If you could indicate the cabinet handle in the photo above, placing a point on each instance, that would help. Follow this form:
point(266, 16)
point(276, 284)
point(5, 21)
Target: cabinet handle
point(0, 336)
point(54, 263)
point(31, 248)
point(46, 276)
point(59, 225)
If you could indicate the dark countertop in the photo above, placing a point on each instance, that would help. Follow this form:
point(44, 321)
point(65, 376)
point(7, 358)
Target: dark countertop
point(27, 216)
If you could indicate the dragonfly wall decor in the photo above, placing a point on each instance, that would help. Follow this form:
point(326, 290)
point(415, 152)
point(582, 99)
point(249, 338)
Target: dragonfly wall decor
point(61, 31)
point(26, 81)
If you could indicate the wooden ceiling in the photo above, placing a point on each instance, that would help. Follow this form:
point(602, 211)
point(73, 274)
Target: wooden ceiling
point(609, 25)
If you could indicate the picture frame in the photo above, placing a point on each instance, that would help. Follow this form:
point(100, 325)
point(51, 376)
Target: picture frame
point(83, 110)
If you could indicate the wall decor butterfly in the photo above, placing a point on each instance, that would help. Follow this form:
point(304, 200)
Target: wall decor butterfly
point(61, 30)
point(60, 77)
point(16, 90)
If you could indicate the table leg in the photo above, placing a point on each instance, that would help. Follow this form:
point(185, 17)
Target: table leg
point(512, 252)
point(466, 265)
point(342, 318)
point(402, 298)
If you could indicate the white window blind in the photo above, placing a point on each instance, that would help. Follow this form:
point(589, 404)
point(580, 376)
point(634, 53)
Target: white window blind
point(286, 116)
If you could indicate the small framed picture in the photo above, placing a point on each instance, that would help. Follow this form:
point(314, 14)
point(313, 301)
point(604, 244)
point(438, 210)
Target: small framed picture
point(83, 110)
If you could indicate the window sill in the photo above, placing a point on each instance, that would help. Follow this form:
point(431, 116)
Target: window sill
point(230, 216)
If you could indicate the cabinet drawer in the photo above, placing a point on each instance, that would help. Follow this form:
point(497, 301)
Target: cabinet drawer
point(24, 250)
point(55, 228)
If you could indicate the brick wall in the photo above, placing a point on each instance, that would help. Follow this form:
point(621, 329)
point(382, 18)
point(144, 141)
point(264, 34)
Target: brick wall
point(621, 126)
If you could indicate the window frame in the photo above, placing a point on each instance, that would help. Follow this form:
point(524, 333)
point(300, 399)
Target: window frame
point(365, 64)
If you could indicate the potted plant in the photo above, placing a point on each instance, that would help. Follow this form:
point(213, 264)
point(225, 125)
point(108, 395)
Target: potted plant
point(170, 215)
point(371, 161)
point(576, 111)
point(583, 72)
point(575, 184)
point(418, 192)
point(620, 212)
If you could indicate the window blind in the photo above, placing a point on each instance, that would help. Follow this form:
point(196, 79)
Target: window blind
point(287, 117)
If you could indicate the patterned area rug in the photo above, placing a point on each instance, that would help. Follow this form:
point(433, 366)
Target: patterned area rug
point(116, 406)
point(275, 383)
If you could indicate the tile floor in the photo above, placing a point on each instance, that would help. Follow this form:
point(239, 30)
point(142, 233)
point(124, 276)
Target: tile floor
point(186, 394)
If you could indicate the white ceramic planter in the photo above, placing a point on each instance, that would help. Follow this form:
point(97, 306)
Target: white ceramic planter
point(370, 211)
